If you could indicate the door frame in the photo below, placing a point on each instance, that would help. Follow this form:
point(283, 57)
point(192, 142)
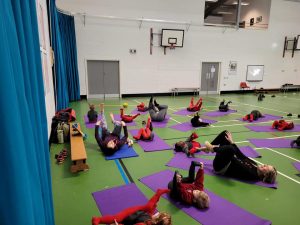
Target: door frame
point(87, 83)
point(218, 81)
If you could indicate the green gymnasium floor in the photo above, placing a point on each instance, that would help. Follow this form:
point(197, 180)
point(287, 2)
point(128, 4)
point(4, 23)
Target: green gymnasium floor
point(73, 202)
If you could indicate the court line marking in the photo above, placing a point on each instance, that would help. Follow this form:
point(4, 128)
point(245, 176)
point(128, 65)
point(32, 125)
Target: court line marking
point(254, 105)
point(279, 153)
point(286, 176)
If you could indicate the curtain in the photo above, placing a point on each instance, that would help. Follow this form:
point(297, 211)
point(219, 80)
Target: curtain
point(65, 52)
point(25, 187)
point(68, 37)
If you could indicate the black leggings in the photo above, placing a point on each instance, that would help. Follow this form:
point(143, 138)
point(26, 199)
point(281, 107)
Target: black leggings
point(224, 153)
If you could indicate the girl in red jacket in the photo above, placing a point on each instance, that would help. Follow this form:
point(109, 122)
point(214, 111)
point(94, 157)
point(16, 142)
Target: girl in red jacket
point(145, 133)
point(127, 118)
point(138, 215)
point(190, 190)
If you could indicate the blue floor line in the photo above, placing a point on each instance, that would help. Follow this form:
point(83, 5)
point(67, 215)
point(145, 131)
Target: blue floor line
point(122, 171)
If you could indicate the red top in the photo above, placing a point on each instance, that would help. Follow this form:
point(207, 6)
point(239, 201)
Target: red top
point(186, 189)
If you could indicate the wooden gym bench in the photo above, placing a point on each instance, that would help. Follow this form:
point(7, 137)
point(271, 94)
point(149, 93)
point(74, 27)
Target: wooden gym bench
point(195, 90)
point(78, 153)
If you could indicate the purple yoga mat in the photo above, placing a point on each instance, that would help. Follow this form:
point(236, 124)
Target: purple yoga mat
point(297, 165)
point(161, 124)
point(182, 162)
point(113, 200)
point(135, 111)
point(118, 118)
point(247, 150)
point(218, 113)
point(88, 124)
point(183, 112)
point(270, 129)
point(187, 126)
point(272, 143)
point(220, 211)
point(267, 117)
point(157, 144)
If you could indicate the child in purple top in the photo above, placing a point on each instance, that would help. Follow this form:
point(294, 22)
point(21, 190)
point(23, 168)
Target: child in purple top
point(110, 142)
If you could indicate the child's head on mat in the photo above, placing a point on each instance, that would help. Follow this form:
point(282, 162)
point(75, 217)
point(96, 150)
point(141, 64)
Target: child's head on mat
point(161, 218)
point(268, 172)
point(201, 199)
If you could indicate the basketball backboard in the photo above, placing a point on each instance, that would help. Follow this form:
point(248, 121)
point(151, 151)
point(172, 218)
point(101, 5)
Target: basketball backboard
point(172, 38)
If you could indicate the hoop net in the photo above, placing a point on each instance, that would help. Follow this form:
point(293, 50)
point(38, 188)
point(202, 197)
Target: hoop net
point(172, 46)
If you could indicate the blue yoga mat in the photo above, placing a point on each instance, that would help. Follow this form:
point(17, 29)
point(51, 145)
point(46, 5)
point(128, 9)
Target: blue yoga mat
point(124, 152)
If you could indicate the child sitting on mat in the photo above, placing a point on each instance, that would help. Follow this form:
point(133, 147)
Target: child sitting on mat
point(145, 133)
point(254, 115)
point(126, 117)
point(110, 142)
point(189, 147)
point(296, 142)
point(224, 107)
point(194, 107)
point(230, 161)
point(282, 125)
point(197, 121)
point(138, 215)
point(190, 190)
point(92, 114)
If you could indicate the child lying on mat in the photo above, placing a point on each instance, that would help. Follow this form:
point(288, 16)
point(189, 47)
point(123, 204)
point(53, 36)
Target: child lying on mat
point(110, 142)
point(296, 142)
point(126, 117)
point(189, 147)
point(141, 107)
point(146, 133)
point(194, 107)
point(138, 215)
point(157, 112)
point(190, 190)
point(196, 121)
point(254, 115)
point(282, 125)
point(230, 161)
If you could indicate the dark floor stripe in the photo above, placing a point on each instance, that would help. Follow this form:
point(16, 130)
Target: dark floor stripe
point(126, 171)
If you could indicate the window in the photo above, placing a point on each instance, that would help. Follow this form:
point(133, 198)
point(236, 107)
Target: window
point(249, 14)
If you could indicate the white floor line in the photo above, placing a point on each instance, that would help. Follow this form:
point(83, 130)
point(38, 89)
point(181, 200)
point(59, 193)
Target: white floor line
point(239, 142)
point(286, 176)
point(264, 108)
point(224, 121)
point(257, 106)
point(172, 109)
point(281, 154)
point(295, 135)
point(174, 120)
point(136, 101)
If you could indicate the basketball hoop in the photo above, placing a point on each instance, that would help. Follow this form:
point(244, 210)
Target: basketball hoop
point(172, 46)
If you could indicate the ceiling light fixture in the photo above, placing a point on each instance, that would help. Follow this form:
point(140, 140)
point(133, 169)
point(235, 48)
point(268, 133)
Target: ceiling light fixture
point(243, 3)
point(224, 13)
point(211, 0)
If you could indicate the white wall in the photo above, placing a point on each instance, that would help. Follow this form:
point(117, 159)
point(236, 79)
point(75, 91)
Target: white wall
point(144, 73)
point(47, 69)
